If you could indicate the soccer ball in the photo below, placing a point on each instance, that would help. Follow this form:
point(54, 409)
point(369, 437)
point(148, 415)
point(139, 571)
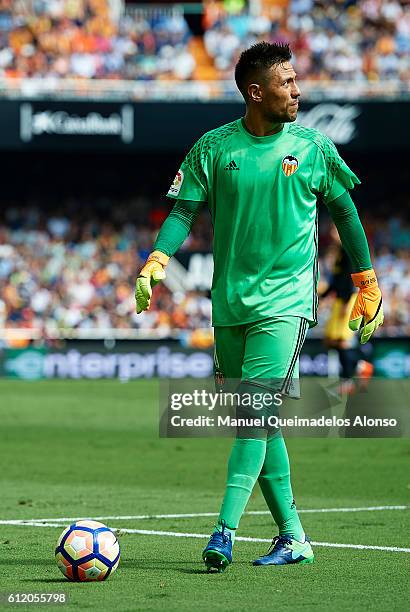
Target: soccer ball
point(87, 550)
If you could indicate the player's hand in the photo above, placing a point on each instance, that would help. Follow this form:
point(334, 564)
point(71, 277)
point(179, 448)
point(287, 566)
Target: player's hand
point(367, 312)
point(151, 274)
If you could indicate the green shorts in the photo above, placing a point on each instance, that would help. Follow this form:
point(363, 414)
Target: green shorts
point(267, 350)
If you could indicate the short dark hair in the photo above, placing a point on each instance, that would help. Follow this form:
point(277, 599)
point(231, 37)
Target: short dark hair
point(258, 58)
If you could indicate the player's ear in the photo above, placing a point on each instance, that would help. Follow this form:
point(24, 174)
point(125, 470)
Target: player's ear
point(254, 92)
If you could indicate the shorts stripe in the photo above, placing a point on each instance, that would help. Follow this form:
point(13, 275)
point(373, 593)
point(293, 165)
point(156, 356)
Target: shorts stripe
point(315, 300)
point(299, 343)
point(216, 360)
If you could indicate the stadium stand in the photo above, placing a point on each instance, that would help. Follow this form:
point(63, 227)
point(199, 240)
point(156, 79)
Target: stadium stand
point(345, 39)
point(83, 254)
point(82, 271)
point(359, 40)
point(85, 40)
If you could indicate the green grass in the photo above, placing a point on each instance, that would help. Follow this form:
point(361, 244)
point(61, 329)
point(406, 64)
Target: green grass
point(86, 448)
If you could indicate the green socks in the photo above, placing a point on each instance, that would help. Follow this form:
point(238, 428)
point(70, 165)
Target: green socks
point(244, 466)
point(267, 462)
point(274, 480)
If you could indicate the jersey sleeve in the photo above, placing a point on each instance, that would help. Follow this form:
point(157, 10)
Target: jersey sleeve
point(336, 190)
point(334, 175)
point(191, 180)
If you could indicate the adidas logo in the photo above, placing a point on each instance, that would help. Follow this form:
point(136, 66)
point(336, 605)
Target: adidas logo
point(232, 166)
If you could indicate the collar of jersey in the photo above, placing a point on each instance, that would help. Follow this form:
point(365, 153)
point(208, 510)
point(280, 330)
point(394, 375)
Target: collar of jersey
point(261, 141)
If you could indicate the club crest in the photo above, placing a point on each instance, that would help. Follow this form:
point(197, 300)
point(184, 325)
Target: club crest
point(289, 165)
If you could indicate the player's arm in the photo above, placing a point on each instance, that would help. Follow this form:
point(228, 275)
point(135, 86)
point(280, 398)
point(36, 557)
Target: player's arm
point(172, 235)
point(190, 190)
point(334, 178)
point(367, 312)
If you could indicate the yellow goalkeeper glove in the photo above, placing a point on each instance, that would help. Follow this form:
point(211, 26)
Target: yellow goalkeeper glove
point(151, 274)
point(367, 311)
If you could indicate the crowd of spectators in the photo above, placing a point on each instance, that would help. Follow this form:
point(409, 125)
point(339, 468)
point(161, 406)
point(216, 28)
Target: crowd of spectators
point(76, 271)
point(355, 40)
point(82, 39)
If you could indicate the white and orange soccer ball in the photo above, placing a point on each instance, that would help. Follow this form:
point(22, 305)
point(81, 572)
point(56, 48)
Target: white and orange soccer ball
point(87, 550)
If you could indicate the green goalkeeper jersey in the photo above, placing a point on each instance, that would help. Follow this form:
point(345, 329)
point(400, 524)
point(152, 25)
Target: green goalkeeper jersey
point(262, 193)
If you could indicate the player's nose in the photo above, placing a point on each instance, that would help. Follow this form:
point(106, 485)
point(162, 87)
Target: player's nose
point(295, 93)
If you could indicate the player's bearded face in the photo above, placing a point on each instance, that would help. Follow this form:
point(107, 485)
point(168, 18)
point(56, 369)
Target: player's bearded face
point(280, 94)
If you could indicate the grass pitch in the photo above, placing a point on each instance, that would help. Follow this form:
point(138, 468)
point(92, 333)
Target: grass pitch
point(80, 448)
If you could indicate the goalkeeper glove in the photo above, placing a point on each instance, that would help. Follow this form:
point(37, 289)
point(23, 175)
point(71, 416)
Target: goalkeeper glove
point(151, 274)
point(367, 311)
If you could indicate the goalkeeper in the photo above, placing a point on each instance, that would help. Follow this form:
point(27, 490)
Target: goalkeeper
point(263, 178)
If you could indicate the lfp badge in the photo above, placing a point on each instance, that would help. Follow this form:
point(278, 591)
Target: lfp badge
point(289, 165)
point(177, 184)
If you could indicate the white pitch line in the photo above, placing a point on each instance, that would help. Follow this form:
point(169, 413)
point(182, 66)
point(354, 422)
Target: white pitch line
point(31, 524)
point(177, 534)
point(133, 517)
point(362, 547)
point(364, 509)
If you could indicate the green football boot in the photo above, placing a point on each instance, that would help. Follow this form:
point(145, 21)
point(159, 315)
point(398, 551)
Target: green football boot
point(285, 550)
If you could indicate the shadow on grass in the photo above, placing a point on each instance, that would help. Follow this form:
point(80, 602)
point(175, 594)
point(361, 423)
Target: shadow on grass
point(155, 562)
point(191, 567)
point(45, 580)
point(195, 571)
point(35, 562)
